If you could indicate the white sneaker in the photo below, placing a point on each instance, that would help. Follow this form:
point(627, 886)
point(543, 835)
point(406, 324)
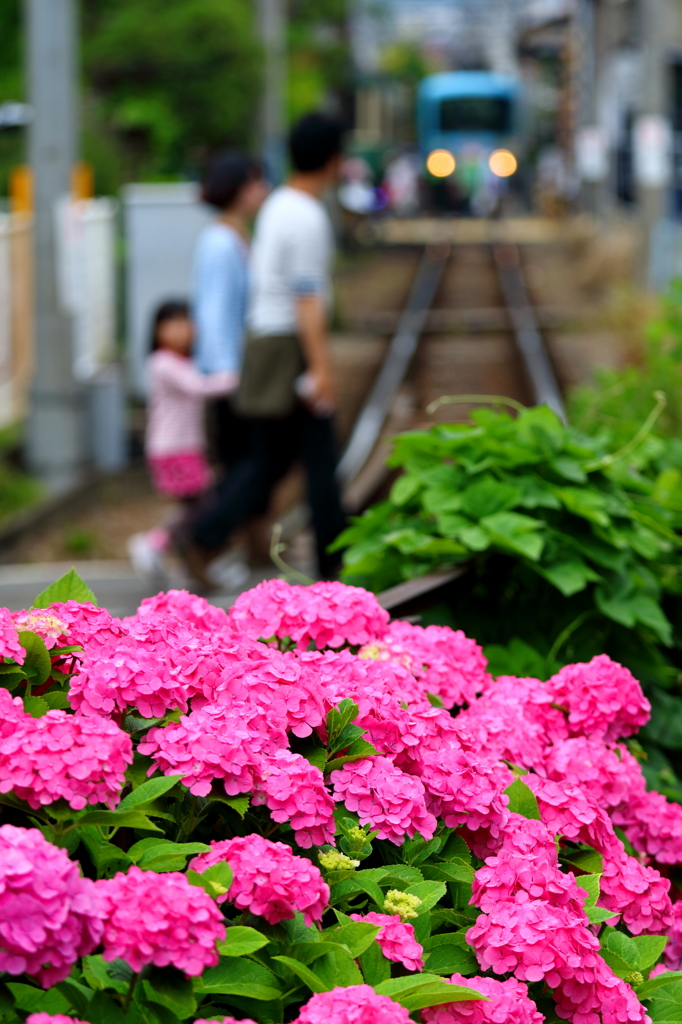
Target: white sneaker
point(147, 561)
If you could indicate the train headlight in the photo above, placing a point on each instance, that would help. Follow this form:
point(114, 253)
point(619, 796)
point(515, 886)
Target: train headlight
point(503, 163)
point(440, 163)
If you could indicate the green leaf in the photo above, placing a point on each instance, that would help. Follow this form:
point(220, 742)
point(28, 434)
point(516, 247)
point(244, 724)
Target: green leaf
point(646, 990)
point(36, 1000)
point(375, 967)
point(449, 871)
point(569, 468)
point(522, 800)
point(456, 849)
point(216, 880)
point(56, 700)
point(429, 893)
point(105, 856)
point(356, 936)
point(404, 488)
point(96, 972)
point(121, 819)
point(516, 532)
point(169, 987)
point(162, 855)
point(337, 967)
point(419, 991)
point(36, 707)
point(449, 954)
point(69, 587)
point(148, 791)
point(587, 860)
point(570, 577)
point(305, 974)
point(487, 496)
point(650, 948)
point(590, 883)
point(618, 965)
point(358, 749)
point(238, 977)
point(240, 941)
point(622, 945)
point(37, 663)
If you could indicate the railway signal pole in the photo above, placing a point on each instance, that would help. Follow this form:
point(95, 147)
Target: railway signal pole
point(55, 436)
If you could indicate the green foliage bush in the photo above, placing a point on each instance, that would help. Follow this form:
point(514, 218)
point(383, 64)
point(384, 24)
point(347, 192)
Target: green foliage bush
point(571, 549)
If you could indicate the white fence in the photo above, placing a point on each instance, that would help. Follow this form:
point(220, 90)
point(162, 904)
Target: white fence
point(16, 315)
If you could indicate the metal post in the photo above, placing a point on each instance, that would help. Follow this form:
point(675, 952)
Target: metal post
point(55, 435)
point(272, 17)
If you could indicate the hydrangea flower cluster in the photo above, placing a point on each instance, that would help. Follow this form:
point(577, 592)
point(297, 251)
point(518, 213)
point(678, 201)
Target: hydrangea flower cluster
point(51, 1018)
point(357, 1005)
point(238, 714)
point(9, 638)
point(49, 915)
point(384, 797)
point(160, 920)
point(507, 1003)
point(81, 760)
point(446, 662)
point(396, 939)
point(326, 614)
point(124, 676)
point(269, 880)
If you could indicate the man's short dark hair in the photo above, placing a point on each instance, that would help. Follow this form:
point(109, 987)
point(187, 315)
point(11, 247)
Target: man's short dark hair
point(314, 141)
point(227, 174)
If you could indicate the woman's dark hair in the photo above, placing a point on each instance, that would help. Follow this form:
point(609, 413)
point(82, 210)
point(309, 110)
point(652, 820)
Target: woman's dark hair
point(227, 174)
point(314, 140)
point(168, 310)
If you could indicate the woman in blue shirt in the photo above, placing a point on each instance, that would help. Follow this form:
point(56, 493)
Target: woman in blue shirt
point(236, 187)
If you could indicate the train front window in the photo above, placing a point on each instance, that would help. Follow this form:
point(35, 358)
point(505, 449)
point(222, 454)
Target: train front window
point(476, 114)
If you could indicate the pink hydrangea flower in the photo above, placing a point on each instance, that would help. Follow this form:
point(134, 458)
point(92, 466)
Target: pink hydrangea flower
point(467, 789)
point(371, 684)
point(86, 624)
point(49, 915)
point(396, 939)
point(673, 951)
point(610, 774)
point(602, 699)
point(269, 880)
point(226, 1020)
point(43, 621)
point(52, 1018)
point(497, 724)
point(627, 887)
point(409, 734)
point(537, 702)
point(213, 743)
point(594, 995)
point(327, 614)
point(359, 1004)
point(293, 790)
point(526, 868)
point(113, 680)
point(9, 639)
point(639, 893)
point(533, 939)
point(508, 1002)
point(187, 608)
point(445, 661)
point(81, 760)
point(384, 797)
point(11, 713)
point(283, 687)
point(159, 919)
point(652, 824)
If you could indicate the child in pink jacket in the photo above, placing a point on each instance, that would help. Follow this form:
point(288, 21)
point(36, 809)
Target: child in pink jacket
point(175, 440)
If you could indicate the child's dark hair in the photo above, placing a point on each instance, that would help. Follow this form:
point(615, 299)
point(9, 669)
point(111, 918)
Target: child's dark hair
point(314, 140)
point(168, 310)
point(227, 174)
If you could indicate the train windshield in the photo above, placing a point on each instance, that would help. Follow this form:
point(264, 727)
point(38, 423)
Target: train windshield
point(476, 114)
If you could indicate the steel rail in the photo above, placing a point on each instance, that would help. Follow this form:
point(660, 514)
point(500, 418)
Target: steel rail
point(396, 364)
point(524, 323)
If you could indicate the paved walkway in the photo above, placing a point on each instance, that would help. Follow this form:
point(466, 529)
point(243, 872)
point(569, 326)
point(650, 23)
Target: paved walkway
point(114, 583)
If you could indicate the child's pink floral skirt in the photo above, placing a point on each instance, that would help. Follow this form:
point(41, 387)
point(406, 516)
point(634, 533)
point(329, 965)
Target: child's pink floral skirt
point(182, 475)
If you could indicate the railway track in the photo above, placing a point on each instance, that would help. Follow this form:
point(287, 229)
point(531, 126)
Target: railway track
point(432, 368)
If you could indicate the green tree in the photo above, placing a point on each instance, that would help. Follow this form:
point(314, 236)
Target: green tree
point(11, 85)
point(168, 82)
point(319, 56)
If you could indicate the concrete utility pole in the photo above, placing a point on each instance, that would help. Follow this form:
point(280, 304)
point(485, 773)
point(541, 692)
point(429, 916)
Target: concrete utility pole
point(273, 19)
point(55, 433)
point(653, 136)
